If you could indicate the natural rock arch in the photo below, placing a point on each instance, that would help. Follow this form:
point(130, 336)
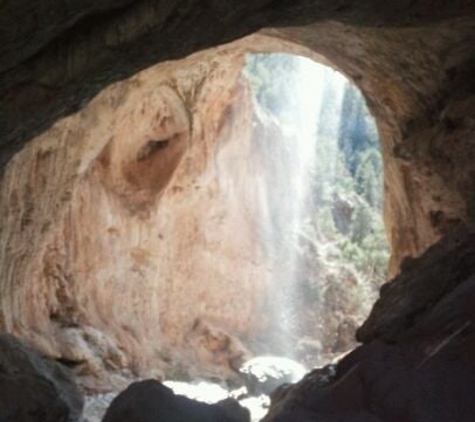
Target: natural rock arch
point(414, 66)
point(413, 63)
point(135, 134)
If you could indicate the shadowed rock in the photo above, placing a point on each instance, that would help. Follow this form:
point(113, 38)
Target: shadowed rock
point(421, 283)
point(34, 388)
point(151, 401)
point(427, 371)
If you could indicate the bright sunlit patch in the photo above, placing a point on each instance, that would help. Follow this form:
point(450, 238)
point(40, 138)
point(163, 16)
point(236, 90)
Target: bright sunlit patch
point(202, 391)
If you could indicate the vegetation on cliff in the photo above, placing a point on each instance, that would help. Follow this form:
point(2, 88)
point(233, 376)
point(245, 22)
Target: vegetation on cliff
point(340, 243)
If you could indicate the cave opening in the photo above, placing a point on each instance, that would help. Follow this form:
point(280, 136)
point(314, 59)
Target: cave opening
point(213, 223)
point(319, 213)
point(155, 234)
point(307, 185)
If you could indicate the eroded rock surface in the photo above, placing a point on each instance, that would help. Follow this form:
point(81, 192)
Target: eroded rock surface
point(160, 150)
point(128, 233)
point(144, 220)
point(413, 61)
point(106, 169)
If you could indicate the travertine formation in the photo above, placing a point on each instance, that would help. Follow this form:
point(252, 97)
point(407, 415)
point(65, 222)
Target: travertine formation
point(130, 242)
point(78, 199)
point(115, 221)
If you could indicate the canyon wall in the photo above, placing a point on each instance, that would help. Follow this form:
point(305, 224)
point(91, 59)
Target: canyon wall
point(128, 229)
point(159, 150)
point(414, 63)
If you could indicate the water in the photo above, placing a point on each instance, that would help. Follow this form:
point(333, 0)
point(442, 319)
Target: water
point(306, 107)
point(314, 115)
point(304, 120)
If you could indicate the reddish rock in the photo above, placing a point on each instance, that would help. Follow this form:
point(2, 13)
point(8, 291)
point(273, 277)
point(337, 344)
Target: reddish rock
point(77, 202)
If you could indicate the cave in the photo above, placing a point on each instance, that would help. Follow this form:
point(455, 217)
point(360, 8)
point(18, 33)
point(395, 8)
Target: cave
point(113, 115)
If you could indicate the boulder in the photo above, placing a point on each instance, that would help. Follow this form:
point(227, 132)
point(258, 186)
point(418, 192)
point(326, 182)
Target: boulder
point(96, 405)
point(234, 410)
point(151, 401)
point(34, 388)
point(264, 374)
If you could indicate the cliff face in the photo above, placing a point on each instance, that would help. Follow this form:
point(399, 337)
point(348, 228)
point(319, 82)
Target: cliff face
point(159, 149)
point(413, 62)
point(131, 212)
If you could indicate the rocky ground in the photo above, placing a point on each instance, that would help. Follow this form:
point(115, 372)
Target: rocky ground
point(261, 376)
point(416, 364)
point(95, 406)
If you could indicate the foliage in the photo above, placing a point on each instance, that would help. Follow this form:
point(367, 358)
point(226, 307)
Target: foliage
point(341, 243)
point(272, 78)
point(348, 171)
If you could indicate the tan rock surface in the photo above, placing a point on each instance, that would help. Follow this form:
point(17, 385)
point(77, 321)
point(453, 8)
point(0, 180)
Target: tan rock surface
point(122, 227)
point(78, 202)
point(129, 235)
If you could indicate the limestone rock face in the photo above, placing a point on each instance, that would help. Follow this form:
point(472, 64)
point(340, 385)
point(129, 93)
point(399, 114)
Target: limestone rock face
point(86, 279)
point(414, 62)
point(131, 233)
point(129, 236)
point(34, 388)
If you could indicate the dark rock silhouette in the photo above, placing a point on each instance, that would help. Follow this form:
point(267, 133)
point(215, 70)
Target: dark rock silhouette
point(151, 401)
point(34, 388)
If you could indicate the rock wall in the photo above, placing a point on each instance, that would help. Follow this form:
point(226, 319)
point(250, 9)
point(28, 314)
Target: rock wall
point(413, 62)
point(79, 201)
point(128, 228)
